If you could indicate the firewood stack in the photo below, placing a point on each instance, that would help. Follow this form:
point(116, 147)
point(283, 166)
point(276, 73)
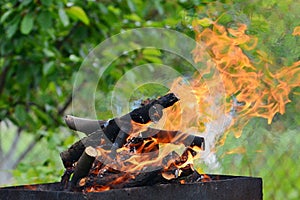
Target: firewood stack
point(124, 151)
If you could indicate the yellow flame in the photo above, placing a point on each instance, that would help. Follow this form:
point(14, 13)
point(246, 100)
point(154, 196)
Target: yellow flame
point(264, 93)
point(260, 90)
point(296, 31)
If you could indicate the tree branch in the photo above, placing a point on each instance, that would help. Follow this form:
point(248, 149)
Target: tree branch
point(3, 77)
point(27, 150)
point(62, 110)
point(9, 155)
point(1, 149)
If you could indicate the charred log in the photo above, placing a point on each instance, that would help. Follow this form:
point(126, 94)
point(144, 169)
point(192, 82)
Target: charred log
point(116, 130)
point(71, 155)
point(123, 180)
point(175, 137)
point(84, 165)
point(119, 129)
point(129, 179)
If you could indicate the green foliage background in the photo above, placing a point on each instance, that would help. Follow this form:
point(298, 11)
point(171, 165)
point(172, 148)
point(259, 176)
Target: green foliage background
point(43, 43)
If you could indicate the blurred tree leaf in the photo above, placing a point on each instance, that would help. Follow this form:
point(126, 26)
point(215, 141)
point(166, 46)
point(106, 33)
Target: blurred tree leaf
point(63, 17)
point(205, 22)
point(21, 114)
point(77, 12)
point(5, 15)
point(46, 2)
point(45, 20)
point(27, 23)
point(13, 26)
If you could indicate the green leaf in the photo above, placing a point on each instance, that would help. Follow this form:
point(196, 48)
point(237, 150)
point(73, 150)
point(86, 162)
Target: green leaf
point(131, 5)
point(43, 117)
point(205, 22)
point(77, 12)
point(102, 8)
point(26, 2)
point(224, 19)
point(21, 114)
point(45, 20)
point(48, 52)
point(133, 17)
point(159, 7)
point(152, 51)
point(27, 24)
point(11, 30)
point(48, 68)
point(46, 2)
point(63, 17)
point(152, 59)
point(5, 16)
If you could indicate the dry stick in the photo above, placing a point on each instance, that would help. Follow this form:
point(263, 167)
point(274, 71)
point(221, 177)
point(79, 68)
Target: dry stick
point(117, 130)
point(72, 154)
point(83, 125)
point(84, 165)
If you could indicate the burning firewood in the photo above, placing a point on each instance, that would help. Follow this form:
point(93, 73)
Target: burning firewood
point(128, 179)
point(70, 156)
point(84, 164)
point(116, 130)
point(125, 139)
point(143, 115)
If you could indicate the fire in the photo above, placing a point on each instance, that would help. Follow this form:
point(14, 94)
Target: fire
point(98, 188)
point(254, 87)
point(251, 88)
point(145, 157)
point(296, 31)
point(237, 150)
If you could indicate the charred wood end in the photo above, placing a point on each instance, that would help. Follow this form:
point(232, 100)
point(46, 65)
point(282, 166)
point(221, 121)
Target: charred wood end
point(84, 165)
point(71, 155)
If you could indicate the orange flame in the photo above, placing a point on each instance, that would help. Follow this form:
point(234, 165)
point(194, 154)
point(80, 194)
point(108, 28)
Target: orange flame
point(263, 92)
point(296, 31)
point(251, 89)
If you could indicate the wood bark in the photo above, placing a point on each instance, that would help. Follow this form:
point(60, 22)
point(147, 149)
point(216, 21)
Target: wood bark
point(80, 158)
point(125, 179)
point(72, 154)
point(84, 165)
point(116, 130)
point(83, 125)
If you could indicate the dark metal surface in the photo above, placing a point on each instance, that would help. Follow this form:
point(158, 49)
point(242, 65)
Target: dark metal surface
point(227, 187)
